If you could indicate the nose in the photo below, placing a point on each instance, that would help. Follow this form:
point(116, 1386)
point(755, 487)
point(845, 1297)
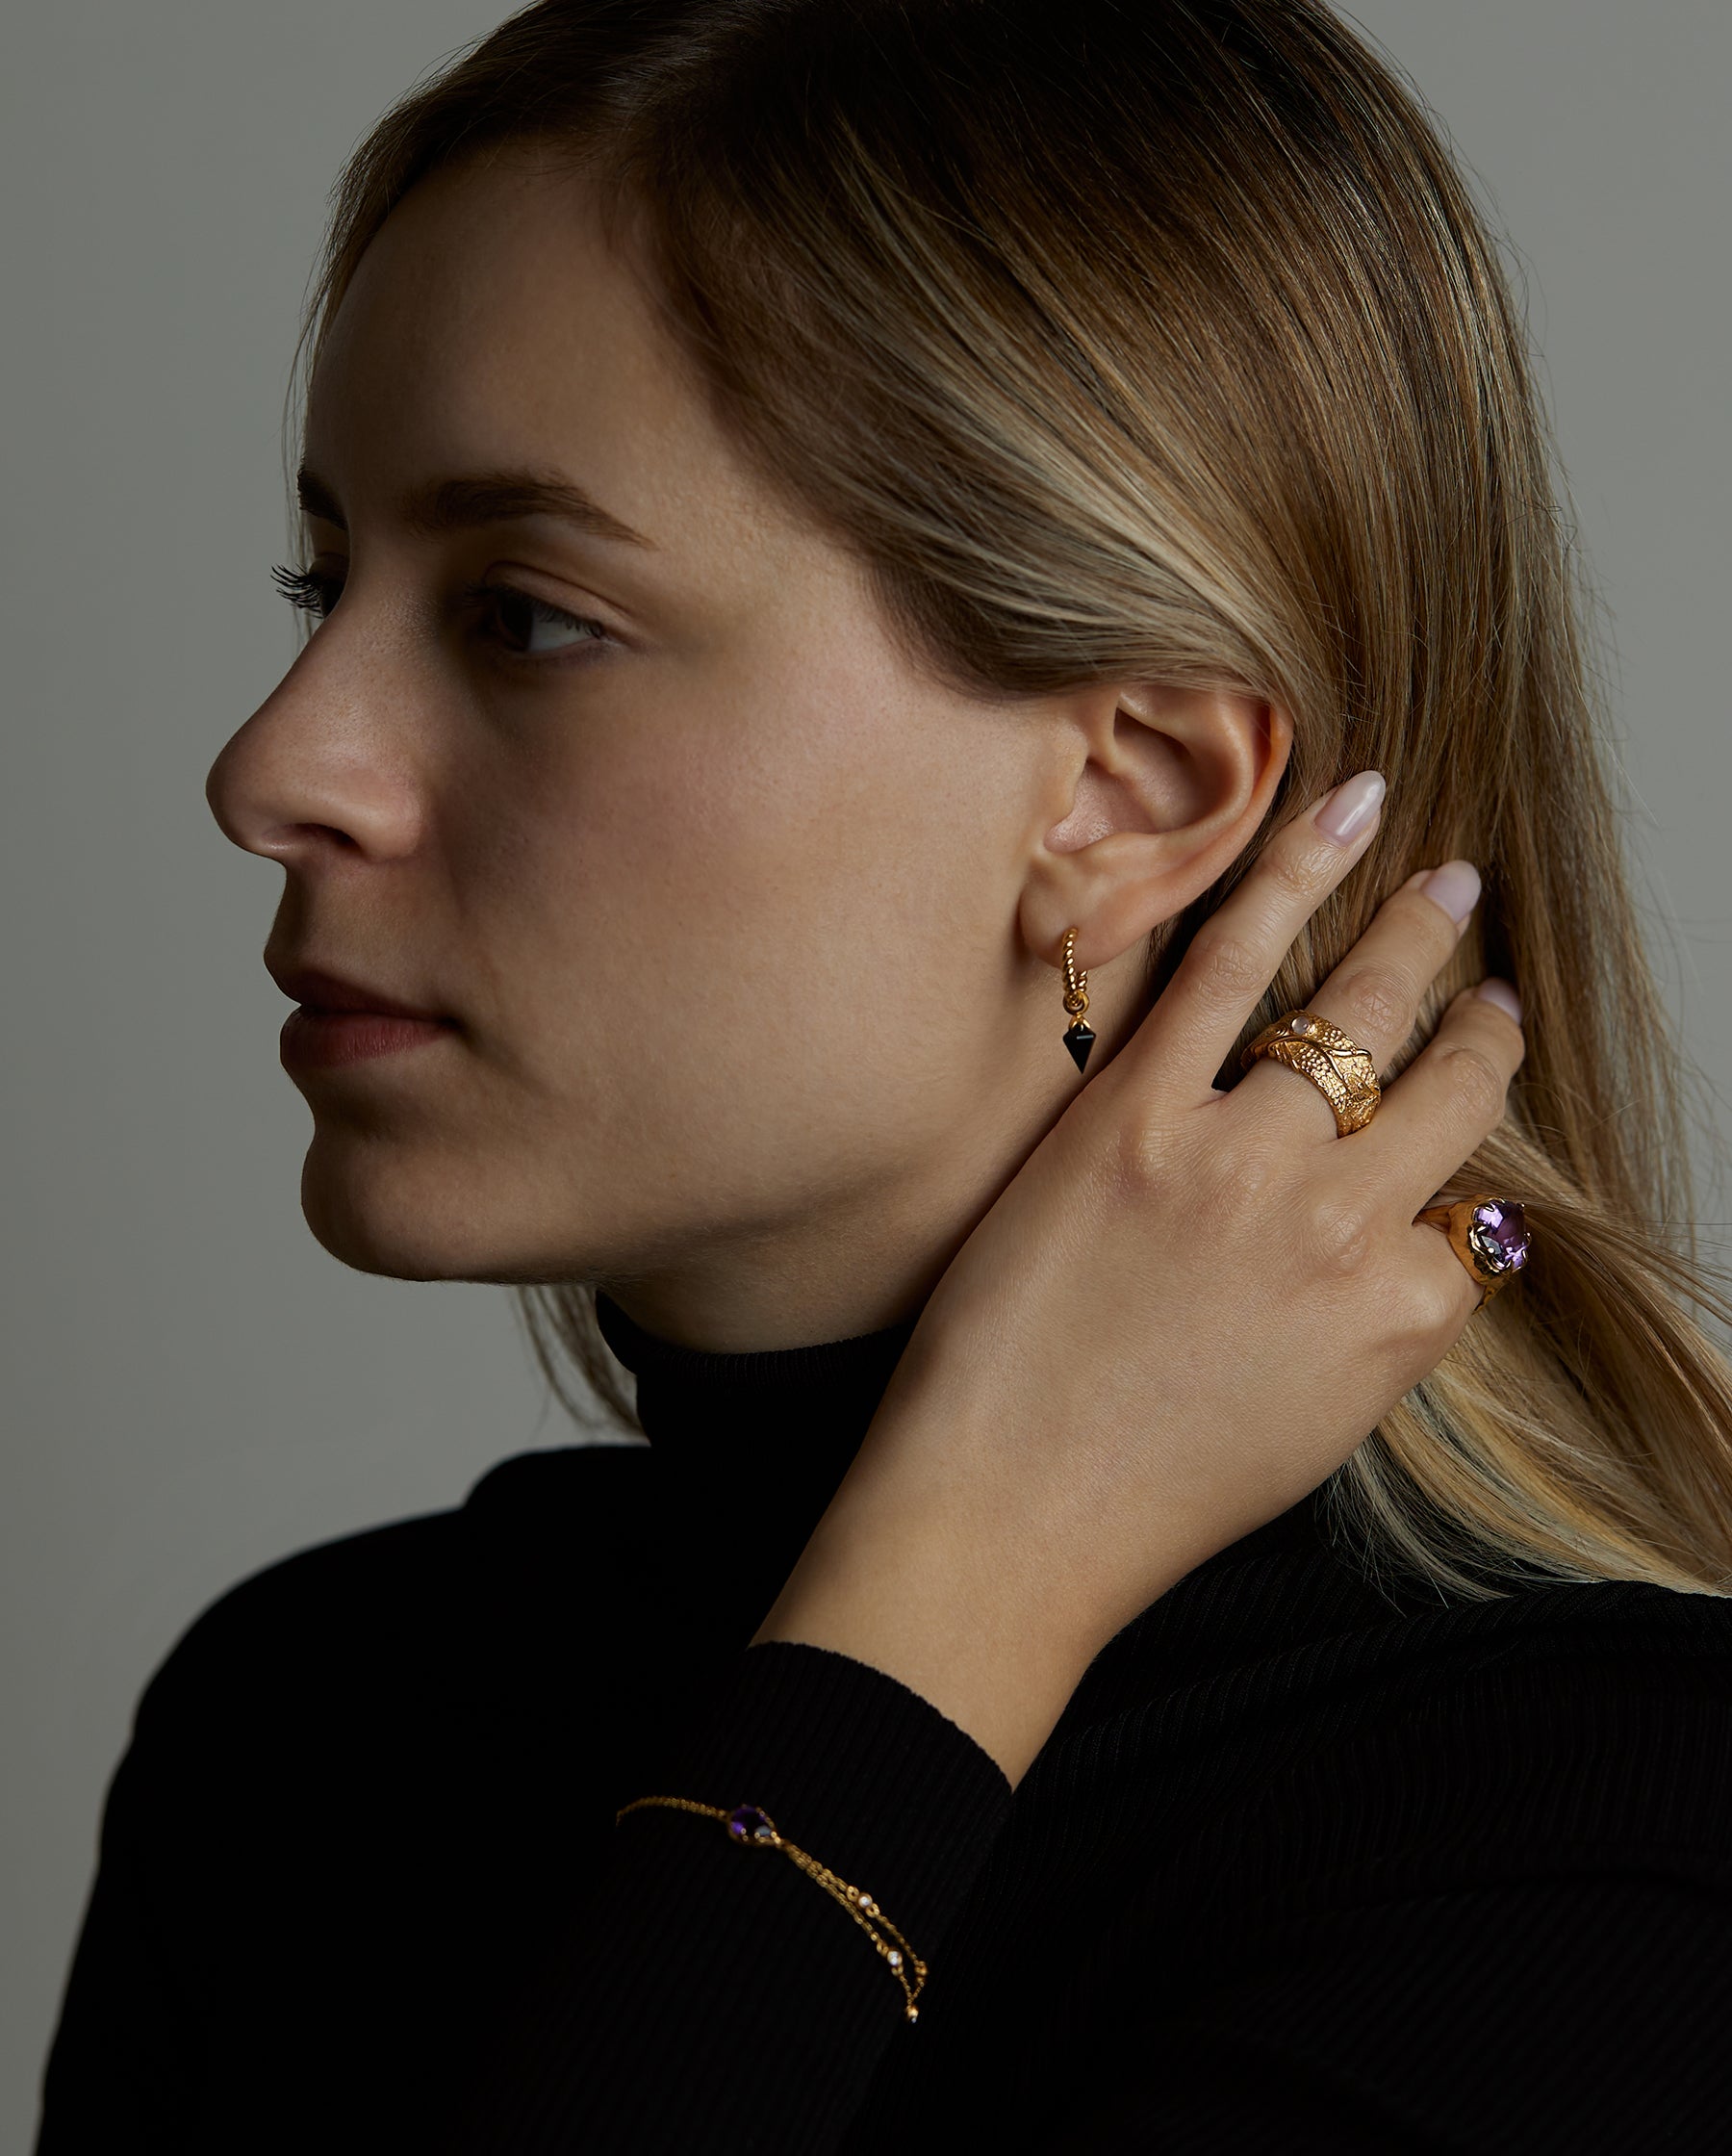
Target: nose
point(320, 766)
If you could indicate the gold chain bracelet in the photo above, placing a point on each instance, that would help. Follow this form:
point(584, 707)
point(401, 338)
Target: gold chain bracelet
point(750, 1823)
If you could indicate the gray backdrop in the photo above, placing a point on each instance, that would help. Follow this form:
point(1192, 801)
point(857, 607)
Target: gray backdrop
point(194, 1388)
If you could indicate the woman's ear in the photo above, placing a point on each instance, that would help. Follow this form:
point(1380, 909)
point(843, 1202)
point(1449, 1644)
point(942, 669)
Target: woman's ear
point(1156, 790)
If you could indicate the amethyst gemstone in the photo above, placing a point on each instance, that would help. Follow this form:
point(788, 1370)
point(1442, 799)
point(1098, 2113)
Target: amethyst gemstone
point(747, 1823)
point(1498, 1234)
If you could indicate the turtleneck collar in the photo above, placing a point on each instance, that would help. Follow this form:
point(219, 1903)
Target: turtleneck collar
point(780, 1426)
point(760, 1442)
point(682, 1391)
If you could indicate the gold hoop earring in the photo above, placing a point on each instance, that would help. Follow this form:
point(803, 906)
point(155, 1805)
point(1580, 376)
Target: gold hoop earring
point(1078, 1038)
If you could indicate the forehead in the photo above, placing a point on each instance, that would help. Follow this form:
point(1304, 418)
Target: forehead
point(489, 327)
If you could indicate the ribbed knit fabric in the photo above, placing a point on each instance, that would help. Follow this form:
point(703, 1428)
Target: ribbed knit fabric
point(1306, 1866)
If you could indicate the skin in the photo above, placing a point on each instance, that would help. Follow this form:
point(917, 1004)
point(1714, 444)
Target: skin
point(750, 936)
point(753, 932)
point(1186, 1310)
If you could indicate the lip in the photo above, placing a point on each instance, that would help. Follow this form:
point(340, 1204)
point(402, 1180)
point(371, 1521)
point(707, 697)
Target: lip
point(327, 1039)
point(319, 991)
point(342, 1021)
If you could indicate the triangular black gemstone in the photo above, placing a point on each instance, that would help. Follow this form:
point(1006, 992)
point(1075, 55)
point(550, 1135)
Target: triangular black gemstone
point(1080, 1039)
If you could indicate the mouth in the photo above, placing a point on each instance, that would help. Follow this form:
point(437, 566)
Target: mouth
point(342, 1021)
point(315, 1039)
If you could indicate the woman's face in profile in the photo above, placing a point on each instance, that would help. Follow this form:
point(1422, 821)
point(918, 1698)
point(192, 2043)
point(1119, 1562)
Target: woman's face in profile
point(716, 893)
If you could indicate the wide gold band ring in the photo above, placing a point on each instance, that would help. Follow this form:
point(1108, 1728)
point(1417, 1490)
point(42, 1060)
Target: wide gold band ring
point(1489, 1235)
point(1342, 1071)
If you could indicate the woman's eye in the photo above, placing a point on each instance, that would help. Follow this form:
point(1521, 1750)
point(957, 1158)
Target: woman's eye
point(530, 627)
point(524, 626)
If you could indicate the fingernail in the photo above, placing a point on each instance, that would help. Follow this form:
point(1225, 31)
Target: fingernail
point(1456, 888)
point(1346, 813)
point(1503, 995)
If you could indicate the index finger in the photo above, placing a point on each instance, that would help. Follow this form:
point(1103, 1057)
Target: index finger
point(1198, 1017)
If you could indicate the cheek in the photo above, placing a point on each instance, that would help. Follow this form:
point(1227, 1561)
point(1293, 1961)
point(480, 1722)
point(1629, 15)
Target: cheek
point(743, 922)
point(825, 869)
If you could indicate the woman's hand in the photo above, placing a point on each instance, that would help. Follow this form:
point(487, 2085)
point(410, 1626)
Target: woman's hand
point(1185, 1311)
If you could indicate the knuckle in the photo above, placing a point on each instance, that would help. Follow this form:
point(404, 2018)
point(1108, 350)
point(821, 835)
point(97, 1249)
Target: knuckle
point(1380, 1002)
point(1421, 1312)
point(1476, 1080)
point(1337, 1235)
point(1303, 871)
point(1139, 1155)
point(1225, 967)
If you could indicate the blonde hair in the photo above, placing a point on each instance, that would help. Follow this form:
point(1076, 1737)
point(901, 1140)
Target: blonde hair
point(1165, 342)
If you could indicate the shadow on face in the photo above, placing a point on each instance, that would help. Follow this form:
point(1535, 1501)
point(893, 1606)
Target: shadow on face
point(624, 780)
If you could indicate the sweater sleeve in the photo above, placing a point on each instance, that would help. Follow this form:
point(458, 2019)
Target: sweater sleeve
point(1584, 2010)
point(716, 1996)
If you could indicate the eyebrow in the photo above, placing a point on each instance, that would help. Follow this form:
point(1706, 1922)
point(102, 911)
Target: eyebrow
point(477, 499)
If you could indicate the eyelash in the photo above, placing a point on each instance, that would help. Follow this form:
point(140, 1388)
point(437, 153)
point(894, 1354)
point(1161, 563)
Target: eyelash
point(307, 588)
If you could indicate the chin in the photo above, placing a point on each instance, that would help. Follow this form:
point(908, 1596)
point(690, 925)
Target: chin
point(377, 1208)
point(409, 1213)
point(393, 1240)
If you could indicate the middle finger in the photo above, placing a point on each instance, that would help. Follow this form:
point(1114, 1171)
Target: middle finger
point(1374, 994)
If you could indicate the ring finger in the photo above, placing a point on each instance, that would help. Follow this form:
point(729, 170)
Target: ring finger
point(1374, 994)
point(1450, 1097)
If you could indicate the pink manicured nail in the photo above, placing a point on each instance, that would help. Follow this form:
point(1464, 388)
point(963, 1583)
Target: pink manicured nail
point(1351, 807)
point(1456, 888)
point(1503, 995)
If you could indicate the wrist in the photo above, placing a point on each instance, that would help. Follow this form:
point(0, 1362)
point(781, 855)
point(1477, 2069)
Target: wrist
point(959, 1615)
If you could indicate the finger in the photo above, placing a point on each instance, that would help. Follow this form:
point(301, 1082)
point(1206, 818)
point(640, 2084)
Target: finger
point(1446, 1102)
point(1236, 953)
point(1445, 1293)
point(1374, 994)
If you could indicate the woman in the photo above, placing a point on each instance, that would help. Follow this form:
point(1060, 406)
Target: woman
point(943, 630)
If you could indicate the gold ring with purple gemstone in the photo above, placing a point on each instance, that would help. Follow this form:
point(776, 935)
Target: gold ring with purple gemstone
point(1489, 1235)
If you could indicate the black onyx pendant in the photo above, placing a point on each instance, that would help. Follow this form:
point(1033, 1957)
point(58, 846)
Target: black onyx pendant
point(1080, 1039)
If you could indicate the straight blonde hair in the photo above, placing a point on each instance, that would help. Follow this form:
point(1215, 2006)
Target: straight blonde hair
point(1164, 342)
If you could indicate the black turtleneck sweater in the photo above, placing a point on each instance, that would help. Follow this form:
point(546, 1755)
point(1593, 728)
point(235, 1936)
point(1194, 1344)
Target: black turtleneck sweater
point(1304, 1865)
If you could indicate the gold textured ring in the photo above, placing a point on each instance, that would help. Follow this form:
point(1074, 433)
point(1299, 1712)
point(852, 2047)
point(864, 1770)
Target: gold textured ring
point(1342, 1071)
